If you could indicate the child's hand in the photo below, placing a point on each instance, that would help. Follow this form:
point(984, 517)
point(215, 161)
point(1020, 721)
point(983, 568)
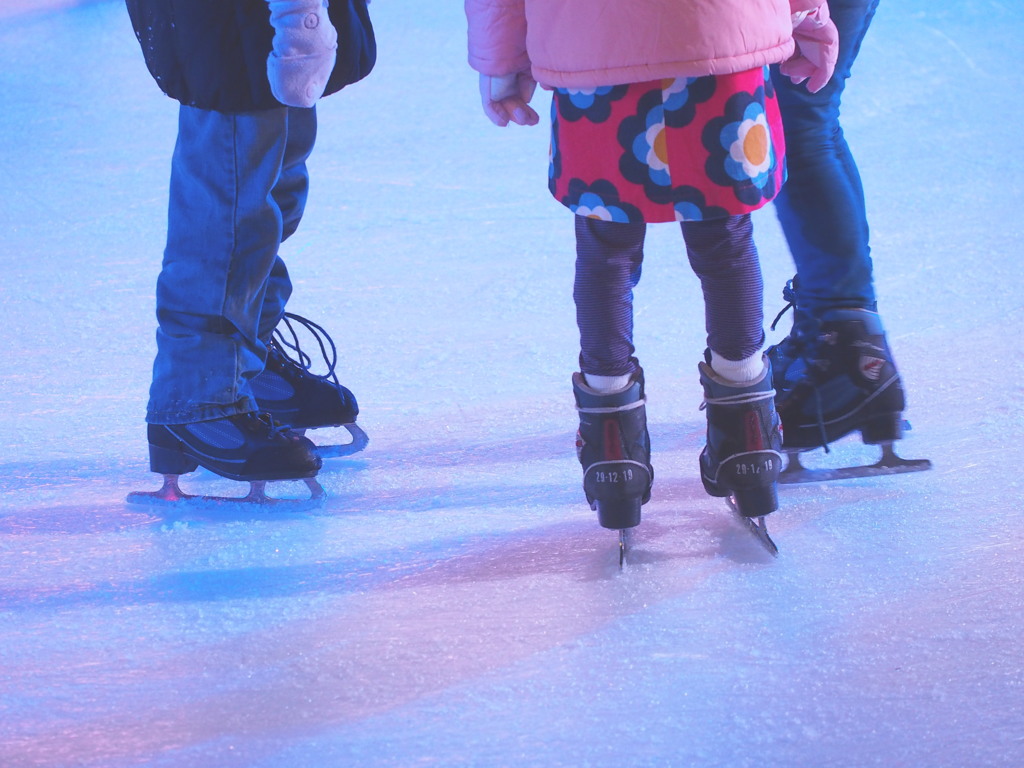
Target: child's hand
point(506, 98)
point(817, 48)
point(305, 47)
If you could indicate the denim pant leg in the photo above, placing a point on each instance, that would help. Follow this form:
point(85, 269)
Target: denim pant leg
point(821, 206)
point(723, 255)
point(290, 194)
point(609, 258)
point(224, 230)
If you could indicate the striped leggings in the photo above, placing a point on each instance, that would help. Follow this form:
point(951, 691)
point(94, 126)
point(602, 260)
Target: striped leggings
point(609, 256)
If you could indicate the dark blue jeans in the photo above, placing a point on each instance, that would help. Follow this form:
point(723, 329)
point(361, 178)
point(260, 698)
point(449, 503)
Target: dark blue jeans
point(238, 189)
point(821, 206)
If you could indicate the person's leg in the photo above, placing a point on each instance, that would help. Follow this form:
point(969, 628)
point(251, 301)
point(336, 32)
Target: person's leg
point(742, 457)
point(723, 255)
point(292, 388)
point(821, 206)
point(609, 259)
point(223, 233)
point(224, 229)
point(612, 443)
point(290, 194)
point(835, 372)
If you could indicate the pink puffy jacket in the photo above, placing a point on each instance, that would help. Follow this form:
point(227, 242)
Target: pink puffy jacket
point(589, 43)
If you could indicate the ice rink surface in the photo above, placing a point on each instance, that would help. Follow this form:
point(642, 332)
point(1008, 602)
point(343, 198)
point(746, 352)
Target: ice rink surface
point(454, 603)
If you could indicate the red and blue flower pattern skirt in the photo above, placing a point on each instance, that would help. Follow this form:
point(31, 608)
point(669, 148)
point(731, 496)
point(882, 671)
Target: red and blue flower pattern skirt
point(687, 149)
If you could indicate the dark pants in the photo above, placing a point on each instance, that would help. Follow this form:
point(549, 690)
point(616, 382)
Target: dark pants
point(821, 206)
point(609, 257)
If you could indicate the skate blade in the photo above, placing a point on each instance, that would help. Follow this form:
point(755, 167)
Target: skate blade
point(359, 441)
point(170, 494)
point(625, 540)
point(756, 526)
point(889, 464)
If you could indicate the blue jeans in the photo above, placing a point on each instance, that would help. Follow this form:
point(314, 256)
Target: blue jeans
point(821, 206)
point(238, 190)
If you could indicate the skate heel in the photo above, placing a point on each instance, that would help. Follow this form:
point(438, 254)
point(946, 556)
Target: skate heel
point(756, 502)
point(617, 490)
point(882, 428)
point(170, 461)
point(614, 449)
point(619, 514)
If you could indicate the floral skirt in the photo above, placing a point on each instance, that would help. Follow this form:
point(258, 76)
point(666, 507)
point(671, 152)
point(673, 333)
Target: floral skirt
point(687, 149)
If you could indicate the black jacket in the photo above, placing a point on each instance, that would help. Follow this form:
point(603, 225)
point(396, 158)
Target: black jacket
point(212, 54)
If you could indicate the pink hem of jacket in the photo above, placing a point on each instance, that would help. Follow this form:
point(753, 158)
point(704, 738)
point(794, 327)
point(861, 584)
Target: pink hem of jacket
point(589, 43)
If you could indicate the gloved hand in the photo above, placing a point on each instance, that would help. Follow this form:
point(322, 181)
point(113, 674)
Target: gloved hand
point(817, 48)
point(304, 50)
point(506, 98)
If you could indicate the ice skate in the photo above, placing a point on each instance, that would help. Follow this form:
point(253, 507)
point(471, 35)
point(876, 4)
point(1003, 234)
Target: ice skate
point(614, 450)
point(742, 458)
point(843, 381)
point(247, 447)
point(783, 354)
point(301, 400)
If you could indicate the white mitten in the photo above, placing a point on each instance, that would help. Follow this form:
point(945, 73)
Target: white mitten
point(305, 47)
point(506, 98)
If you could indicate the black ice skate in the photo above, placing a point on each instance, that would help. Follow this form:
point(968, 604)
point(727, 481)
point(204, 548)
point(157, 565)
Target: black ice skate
point(783, 354)
point(299, 399)
point(843, 381)
point(743, 456)
point(247, 447)
point(614, 450)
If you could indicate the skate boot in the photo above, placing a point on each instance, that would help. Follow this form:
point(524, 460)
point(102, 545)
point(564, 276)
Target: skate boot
point(299, 399)
point(742, 458)
point(844, 380)
point(614, 450)
point(247, 447)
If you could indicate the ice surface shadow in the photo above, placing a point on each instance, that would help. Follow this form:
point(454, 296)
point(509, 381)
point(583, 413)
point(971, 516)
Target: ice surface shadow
point(578, 551)
point(676, 530)
point(564, 547)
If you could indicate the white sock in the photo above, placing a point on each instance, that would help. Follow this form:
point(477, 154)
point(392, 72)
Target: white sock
point(607, 384)
point(738, 371)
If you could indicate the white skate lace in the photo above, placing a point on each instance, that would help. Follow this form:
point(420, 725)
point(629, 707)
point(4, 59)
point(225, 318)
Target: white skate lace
point(741, 399)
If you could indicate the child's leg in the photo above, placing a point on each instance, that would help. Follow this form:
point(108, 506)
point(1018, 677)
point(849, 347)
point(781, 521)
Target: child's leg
point(224, 230)
point(609, 256)
point(724, 257)
point(612, 443)
point(742, 457)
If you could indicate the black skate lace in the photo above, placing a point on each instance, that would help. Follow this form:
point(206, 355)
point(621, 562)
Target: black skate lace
point(268, 419)
point(300, 358)
point(821, 420)
point(789, 295)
